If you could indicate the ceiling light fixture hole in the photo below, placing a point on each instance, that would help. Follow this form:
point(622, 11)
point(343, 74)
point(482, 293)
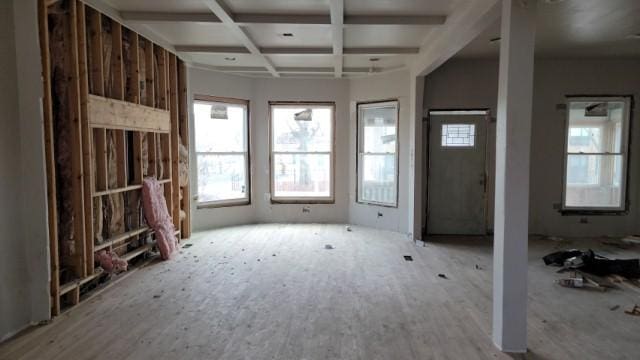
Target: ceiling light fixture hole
point(230, 58)
point(287, 34)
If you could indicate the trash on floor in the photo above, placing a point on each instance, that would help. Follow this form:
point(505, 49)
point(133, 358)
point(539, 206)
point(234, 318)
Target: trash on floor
point(408, 257)
point(634, 311)
point(329, 247)
point(478, 267)
point(592, 263)
point(573, 282)
point(348, 228)
point(186, 246)
point(614, 307)
point(111, 262)
point(442, 276)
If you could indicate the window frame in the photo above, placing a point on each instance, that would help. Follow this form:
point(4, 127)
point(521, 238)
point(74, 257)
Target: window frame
point(360, 153)
point(302, 200)
point(231, 202)
point(624, 152)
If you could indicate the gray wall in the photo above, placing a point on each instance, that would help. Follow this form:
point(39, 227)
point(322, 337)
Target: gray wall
point(473, 84)
point(24, 260)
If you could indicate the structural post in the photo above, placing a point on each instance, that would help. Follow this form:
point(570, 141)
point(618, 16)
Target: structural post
point(513, 139)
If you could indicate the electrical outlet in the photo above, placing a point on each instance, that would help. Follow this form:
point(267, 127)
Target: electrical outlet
point(379, 214)
point(584, 220)
point(306, 209)
point(557, 206)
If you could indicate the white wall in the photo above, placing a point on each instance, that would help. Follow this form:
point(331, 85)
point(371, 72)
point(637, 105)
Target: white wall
point(24, 260)
point(259, 92)
point(388, 86)
point(473, 84)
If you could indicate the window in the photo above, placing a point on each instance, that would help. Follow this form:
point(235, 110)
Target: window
point(302, 152)
point(596, 153)
point(458, 135)
point(378, 153)
point(222, 151)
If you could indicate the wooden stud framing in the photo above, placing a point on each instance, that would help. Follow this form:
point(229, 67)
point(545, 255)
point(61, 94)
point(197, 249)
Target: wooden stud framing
point(86, 135)
point(43, 26)
point(76, 145)
point(183, 126)
point(149, 74)
point(100, 141)
point(94, 19)
point(89, 63)
point(175, 157)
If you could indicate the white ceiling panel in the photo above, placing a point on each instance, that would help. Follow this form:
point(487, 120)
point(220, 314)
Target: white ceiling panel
point(158, 5)
point(186, 33)
point(385, 61)
point(279, 6)
point(302, 60)
point(400, 7)
point(303, 35)
point(384, 35)
point(572, 28)
point(221, 59)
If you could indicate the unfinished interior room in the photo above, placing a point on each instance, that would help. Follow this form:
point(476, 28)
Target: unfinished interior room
point(320, 179)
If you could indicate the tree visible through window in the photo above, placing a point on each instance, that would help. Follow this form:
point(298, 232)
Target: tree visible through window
point(596, 159)
point(221, 140)
point(378, 153)
point(302, 152)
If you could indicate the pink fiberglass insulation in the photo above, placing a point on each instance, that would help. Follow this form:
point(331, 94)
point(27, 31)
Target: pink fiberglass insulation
point(111, 262)
point(157, 215)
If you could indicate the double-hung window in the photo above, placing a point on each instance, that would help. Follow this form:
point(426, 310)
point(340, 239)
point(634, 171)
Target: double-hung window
point(301, 152)
point(378, 153)
point(596, 153)
point(222, 151)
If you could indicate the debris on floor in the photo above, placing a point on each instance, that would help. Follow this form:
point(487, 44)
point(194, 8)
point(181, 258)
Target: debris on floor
point(592, 263)
point(348, 228)
point(111, 262)
point(442, 276)
point(635, 311)
point(408, 258)
point(478, 267)
point(614, 307)
point(573, 282)
point(329, 247)
point(186, 246)
point(633, 239)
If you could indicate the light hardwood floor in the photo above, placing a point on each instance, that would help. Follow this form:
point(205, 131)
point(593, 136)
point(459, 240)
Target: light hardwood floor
point(274, 292)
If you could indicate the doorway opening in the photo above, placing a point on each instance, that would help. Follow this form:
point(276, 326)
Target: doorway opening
point(456, 153)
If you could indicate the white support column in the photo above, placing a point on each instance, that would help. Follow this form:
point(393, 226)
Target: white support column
point(416, 93)
point(513, 140)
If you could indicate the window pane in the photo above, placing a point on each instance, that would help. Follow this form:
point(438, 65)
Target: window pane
point(594, 181)
point(378, 179)
point(379, 129)
point(302, 175)
point(458, 135)
point(595, 127)
point(311, 135)
point(221, 177)
point(214, 133)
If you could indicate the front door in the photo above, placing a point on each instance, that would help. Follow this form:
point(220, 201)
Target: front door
point(457, 174)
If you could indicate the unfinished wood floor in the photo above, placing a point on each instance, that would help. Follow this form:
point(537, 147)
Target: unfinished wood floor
point(274, 292)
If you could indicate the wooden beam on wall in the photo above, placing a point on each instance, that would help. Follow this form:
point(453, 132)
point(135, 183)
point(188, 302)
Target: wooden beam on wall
point(183, 125)
point(100, 148)
point(175, 142)
point(117, 68)
point(149, 73)
point(122, 115)
point(43, 27)
point(76, 144)
point(86, 135)
point(94, 20)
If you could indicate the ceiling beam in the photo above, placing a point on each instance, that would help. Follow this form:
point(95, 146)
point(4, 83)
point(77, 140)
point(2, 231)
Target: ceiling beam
point(296, 70)
point(307, 19)
point(223, 13)
point(298, 50)
point(337, 34)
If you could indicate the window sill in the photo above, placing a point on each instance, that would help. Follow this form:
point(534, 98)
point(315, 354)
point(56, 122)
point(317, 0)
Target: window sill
point(303, 201)
point(593, 212)
point(391, 206)
point(222, 205)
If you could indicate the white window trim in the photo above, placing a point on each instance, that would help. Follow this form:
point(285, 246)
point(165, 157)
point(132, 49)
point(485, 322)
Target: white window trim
point(246, 200)
point(361, 153)
point(624, 147)
point(302, 199)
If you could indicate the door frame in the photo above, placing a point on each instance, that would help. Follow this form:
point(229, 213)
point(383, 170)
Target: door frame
point(425, 184)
